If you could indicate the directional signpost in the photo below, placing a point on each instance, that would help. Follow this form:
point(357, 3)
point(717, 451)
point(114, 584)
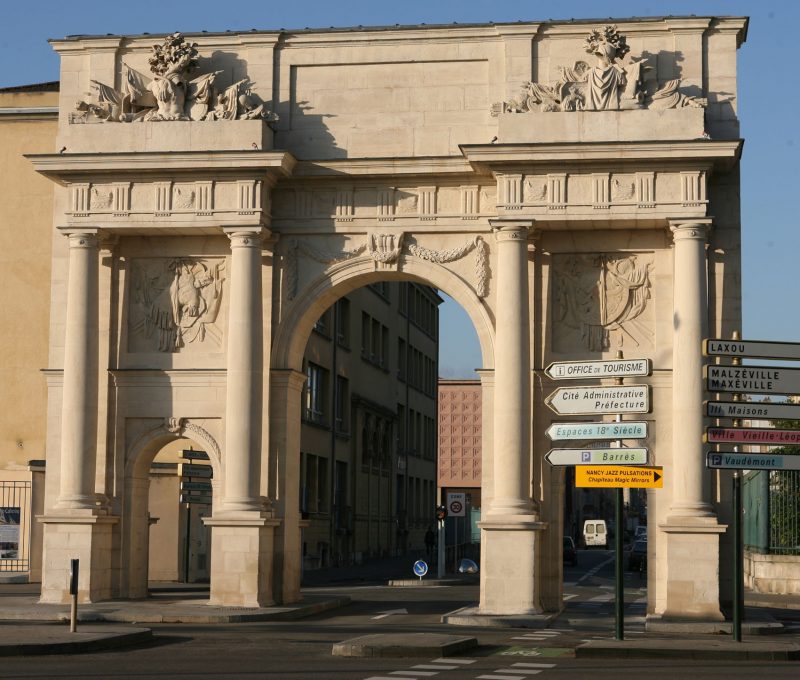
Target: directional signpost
point(624, 430)
point(187, 472)
point(740, 380)
point(602, 400)
point(560, 457)
point(602, 476)
point(584, 401)
point(732, 460)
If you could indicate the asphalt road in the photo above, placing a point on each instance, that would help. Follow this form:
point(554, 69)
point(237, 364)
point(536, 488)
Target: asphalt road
point(302, 650)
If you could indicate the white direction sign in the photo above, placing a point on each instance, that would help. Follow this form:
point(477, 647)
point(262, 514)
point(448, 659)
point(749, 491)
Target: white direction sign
point(755, 349)
point(623, 430)
point(619, 368)
point(576, 401)
point(596, 456)
point(755, 410)
point(753, 379)
point(751, 461)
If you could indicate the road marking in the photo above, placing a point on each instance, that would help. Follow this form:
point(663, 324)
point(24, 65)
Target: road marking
point(431, 667)
point(519, 673)
point(570, 596)
point(414, 674)
point(461, 661)
point(502, 677)
point(533, 665)
point(383, 615)
point(595, 569)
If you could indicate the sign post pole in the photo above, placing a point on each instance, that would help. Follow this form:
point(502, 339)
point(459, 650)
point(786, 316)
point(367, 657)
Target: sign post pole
point(74, 567)
point(619, 603)
point(738, 551)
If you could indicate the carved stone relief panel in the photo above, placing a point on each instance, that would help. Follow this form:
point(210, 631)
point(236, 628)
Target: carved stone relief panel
point(176, 305)
point(623, 188)
point(534, 189)
point(602, 302)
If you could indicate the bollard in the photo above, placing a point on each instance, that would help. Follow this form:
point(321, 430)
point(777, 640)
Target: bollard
point(74, 567)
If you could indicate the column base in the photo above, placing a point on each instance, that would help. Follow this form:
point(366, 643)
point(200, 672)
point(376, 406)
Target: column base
point(242, 553)
point(691, 564)
point(509, 576)
point(82, 535)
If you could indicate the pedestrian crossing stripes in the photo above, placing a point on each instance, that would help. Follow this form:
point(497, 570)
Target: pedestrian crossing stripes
point(539, 635)
point(516, 671)
point(426, 670)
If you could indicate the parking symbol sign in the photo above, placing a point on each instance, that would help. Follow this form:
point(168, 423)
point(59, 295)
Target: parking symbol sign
point(586, 456)
point(716, 459)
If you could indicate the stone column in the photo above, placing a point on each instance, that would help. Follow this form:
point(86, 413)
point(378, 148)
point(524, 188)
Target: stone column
point(691, 526)
point(690, 322)
point(512, 410)
point(510, 529)
point(242, 529)
point(244, 374)
point(79, 396)
point(75, 527)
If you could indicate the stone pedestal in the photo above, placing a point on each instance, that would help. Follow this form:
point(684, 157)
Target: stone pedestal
point(692, 571)
point(242, 548)
point(81, 536)
point(509, 576)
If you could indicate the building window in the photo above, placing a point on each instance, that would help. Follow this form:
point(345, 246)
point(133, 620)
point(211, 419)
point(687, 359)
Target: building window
point(342, 413)
point(401, 359)
point(315, 393)
point(315, 484)
point(342, 312)
point(323, 324)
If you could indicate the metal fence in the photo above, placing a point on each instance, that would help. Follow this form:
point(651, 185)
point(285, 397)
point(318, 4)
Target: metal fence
point(15, 526)
point(772, 511)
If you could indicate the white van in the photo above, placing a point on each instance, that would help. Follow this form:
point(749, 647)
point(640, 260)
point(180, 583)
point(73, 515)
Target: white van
point(595, 533)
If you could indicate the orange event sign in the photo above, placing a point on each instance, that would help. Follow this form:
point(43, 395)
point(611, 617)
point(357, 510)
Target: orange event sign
point(619, 476)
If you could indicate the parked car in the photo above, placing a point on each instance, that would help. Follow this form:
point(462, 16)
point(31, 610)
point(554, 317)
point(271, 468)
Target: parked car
point(594, 533)
point(637, 555)
point(570, 553)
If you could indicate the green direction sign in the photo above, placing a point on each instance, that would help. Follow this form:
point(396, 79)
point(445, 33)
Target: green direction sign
point(189, 454)
point(195, 486)
point(728, 460)
point(200, 500)
point(195, 470)
point(559, 457)
point(622, 430)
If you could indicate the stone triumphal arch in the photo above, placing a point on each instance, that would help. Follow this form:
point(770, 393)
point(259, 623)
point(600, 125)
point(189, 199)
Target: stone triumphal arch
point(573, 186)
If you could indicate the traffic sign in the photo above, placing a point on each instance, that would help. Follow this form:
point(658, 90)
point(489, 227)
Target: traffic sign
point(599, 476)
point(729, 460)
point(195, 486)
point(456, 504)
point(596, 456)
point(751, 435)
point(620, 368)
point(752, 379)
point(622, 430)
point(574, 401)
point(755, 349)
point(190, 454)
point(420, 568)
point(195, 470)
point(756, 410)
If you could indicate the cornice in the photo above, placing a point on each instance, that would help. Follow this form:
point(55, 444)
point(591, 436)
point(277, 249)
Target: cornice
point(721, 154)
point(66, 167)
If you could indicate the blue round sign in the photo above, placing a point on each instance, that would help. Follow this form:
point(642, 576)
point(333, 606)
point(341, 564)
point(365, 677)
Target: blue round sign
point(420, 568)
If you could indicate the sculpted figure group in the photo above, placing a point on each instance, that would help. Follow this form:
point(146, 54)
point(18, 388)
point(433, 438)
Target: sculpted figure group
point(170, 94)
point(613, 83)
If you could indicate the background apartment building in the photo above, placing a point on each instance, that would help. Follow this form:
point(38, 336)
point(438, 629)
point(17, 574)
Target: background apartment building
point(368, 442)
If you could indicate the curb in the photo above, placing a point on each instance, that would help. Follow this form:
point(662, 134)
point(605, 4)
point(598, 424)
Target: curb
point(398, 646)
point(679, 649)
point(109, 641)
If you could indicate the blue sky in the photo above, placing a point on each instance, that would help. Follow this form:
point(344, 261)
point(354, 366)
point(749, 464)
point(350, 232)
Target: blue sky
point(769, 104)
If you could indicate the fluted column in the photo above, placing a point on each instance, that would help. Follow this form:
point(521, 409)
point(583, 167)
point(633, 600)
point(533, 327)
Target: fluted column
point(244, 374)
point(511, 465)
point(690, 323)
point(79, 400)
